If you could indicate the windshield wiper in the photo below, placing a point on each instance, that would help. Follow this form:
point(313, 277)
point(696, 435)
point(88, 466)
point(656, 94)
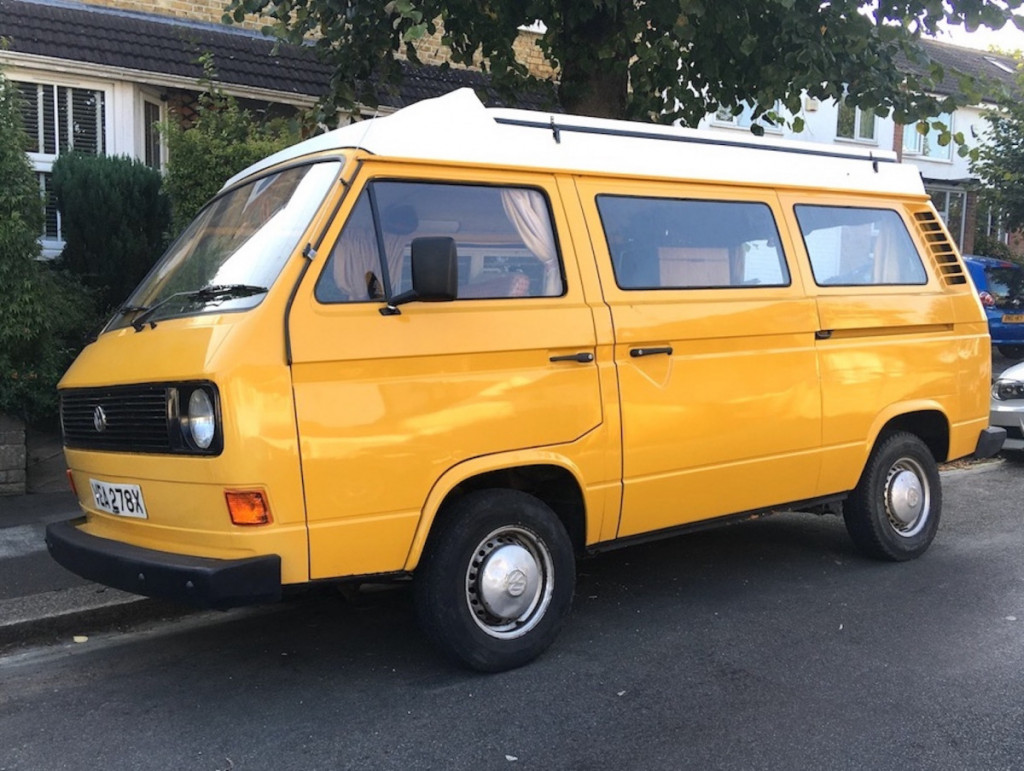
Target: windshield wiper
point(217, 292)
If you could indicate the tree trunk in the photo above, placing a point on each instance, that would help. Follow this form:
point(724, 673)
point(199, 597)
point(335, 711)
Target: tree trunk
point(594, 60)
point(599, 93)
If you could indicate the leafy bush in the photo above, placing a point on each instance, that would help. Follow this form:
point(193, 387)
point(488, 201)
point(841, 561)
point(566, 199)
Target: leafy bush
point(986, 246)
point(114, 218)
point(43, 313)
point(223, 139)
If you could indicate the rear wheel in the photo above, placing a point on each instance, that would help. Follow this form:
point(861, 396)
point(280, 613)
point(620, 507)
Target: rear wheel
point(496, 581)
point(893, 513)
point(1011, 351)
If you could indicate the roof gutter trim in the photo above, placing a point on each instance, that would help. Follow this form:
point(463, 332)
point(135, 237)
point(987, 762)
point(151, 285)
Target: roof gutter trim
point(50, 64)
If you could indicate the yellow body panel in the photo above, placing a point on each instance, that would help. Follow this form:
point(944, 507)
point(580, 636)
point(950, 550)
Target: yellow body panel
point(892, 351)
point(244, 354)
point(387, 404)
point(358, 426)
point(695, 419)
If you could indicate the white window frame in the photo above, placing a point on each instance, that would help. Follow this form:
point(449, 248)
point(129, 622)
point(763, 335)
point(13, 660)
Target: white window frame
point(725, 119)
point(957, 229)
point(914, 142)
point(858, 126)
point(42, 163)
point(154, 99)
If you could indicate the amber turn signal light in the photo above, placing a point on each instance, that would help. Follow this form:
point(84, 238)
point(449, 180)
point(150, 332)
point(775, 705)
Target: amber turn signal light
point(248, 508)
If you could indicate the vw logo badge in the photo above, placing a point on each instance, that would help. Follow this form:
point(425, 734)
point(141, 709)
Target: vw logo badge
point(99, 419)
point(515, 583)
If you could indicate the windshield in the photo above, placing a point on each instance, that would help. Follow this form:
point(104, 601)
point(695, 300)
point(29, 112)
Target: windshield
point(234, 249)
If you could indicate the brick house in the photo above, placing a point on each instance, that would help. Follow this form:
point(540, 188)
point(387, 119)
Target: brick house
point(100, 76)
point(947, 177)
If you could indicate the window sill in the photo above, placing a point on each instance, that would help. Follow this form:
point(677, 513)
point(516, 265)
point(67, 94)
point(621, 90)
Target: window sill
point(915, 158)
point(775, 130)
point(857, 142)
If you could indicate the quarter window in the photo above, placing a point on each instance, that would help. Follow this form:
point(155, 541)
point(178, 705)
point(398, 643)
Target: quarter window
point(664, 243)
point(859, 247)
point(503, 235)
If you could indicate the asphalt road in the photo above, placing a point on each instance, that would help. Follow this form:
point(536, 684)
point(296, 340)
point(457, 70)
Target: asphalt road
point(767, 645)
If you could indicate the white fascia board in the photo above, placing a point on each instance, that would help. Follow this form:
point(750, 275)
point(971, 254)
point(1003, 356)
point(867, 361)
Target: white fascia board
point(457, 128)
point(146, 77)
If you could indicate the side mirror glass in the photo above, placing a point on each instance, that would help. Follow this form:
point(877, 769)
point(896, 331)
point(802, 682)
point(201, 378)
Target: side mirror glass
point(435, 273)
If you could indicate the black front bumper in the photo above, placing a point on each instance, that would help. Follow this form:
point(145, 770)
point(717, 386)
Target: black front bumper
point(197, 581)
point(990, 441)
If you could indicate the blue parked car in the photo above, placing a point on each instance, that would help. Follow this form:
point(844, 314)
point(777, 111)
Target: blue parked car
point(1000, 286)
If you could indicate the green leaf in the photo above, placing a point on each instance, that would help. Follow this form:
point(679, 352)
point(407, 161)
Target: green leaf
point(415, 32)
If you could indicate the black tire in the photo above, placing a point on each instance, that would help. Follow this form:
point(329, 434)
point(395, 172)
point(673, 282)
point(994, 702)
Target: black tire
point(1011, 351)
point(514, 540)
point(894, 511)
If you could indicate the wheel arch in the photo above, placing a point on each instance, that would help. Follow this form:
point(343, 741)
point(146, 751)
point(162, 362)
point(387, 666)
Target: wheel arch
point(925, 420)
point(548, 476)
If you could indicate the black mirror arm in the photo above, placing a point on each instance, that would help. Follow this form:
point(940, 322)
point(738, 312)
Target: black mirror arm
point(391, 309)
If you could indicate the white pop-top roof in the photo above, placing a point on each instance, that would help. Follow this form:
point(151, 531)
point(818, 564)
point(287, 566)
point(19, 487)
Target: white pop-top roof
point(458, 128)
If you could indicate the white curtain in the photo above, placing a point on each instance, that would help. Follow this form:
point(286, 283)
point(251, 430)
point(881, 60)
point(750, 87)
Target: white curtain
point(528, 212)
point(357, 262)
point(887, 258)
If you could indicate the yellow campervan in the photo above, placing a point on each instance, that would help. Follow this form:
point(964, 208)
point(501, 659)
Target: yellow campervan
point(470, 345)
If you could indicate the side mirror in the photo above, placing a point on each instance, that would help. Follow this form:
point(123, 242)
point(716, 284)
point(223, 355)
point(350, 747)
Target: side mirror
point(435, 273)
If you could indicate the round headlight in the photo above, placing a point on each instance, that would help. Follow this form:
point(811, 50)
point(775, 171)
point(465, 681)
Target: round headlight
point(202, 420)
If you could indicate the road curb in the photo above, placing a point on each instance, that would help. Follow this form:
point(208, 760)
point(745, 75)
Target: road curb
point(81, 610)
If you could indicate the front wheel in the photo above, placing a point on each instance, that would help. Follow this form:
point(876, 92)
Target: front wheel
point(496, 580)
point(893, 513)
point(1011, 351)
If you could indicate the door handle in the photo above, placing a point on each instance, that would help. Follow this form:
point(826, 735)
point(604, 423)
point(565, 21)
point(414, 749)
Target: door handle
point(636, 353)
point(823, 334)
point(582, 358)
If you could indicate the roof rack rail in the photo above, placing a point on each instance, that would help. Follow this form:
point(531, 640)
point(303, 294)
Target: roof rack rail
point(557, 129)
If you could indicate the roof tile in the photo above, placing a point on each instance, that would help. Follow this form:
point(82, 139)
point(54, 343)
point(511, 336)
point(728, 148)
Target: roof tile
point(170, 46)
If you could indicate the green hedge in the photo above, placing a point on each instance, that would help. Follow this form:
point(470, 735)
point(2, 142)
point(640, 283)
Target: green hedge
point(114, 218)
point(42, 313)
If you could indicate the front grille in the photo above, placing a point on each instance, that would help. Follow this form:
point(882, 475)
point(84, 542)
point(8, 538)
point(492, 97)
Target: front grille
point(137, 418)
point(119, 418)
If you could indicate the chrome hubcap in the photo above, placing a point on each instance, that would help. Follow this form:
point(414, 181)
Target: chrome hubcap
point(509, 582)
point(907, 497)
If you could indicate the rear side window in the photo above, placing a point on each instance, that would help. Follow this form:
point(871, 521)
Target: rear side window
point(666, 243)
point(504, 237)
point(1006, 285)
point(859, 247)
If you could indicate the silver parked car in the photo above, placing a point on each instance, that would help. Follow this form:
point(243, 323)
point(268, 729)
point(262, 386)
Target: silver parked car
point(1008, 406)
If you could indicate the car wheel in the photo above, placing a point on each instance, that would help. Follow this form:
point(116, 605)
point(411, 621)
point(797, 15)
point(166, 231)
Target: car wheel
point(1011, 351)
point(893, 513)
point(496, 580)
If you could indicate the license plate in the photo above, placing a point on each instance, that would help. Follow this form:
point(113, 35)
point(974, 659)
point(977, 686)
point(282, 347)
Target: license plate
point(122, 500)
point(1013, 318)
